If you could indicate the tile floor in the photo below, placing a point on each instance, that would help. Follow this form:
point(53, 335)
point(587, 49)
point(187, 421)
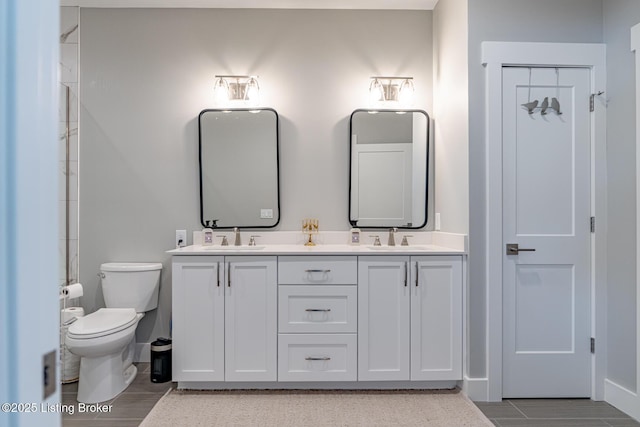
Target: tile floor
point(130, 408)
point(554, 413)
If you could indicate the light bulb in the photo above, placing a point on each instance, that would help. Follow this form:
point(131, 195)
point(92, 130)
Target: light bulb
point(376, 92)
point(252, 92)
point(405, 93)
point(221, 91)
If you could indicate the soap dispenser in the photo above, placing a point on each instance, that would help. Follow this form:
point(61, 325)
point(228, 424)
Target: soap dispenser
point(207, 233)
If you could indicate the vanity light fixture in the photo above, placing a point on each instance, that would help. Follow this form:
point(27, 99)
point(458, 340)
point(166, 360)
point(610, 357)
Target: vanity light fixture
point(233, 88)
point(392, 91)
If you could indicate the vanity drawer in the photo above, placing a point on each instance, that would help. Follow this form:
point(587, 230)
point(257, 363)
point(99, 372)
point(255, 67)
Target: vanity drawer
point(317, 308)
point(317, 270)
point(317, 357)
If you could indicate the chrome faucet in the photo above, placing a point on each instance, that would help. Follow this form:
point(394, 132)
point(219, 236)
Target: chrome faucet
point(238, 241)
point(392, 239)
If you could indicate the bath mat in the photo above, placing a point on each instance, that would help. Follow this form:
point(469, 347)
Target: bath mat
point(283, 408)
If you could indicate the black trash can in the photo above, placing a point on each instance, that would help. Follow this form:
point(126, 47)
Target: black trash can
point(161, 360)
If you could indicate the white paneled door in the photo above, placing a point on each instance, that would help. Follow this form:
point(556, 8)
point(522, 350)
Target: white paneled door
point(383, 170)
point(546, 213)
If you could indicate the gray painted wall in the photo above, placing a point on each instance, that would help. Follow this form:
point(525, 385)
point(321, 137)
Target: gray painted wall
point(619, 17)
point(507, 20)
point(147, 73)
point(451, 114)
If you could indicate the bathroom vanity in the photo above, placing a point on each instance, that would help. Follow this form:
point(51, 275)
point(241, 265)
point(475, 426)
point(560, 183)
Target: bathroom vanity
point(329, 316)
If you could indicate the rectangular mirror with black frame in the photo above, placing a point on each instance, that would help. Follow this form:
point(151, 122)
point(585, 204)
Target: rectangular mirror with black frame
point(239, 177)
point(389, 160)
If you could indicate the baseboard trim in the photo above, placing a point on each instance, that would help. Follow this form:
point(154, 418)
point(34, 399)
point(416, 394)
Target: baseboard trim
point(142, 352)
point(623, 399)
point(476, 389)
point(315, 385)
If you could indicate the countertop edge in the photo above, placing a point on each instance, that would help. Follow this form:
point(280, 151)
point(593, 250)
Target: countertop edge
point(317, 250)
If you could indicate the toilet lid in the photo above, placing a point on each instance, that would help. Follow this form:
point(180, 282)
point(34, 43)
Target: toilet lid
point(105, 321)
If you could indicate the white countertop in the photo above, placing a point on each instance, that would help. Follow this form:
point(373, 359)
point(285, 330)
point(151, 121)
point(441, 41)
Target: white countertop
point(291, 243)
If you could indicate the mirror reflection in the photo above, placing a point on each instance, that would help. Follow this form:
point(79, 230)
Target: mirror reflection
point(389, 158)
point(239, 184)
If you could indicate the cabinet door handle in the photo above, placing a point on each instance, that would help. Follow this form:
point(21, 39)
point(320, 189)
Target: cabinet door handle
point(317, 271)
point(406, 273)
point(417, 274)
point(318, 309)
point(228, 274)
point(218, 274)
point(317, 358)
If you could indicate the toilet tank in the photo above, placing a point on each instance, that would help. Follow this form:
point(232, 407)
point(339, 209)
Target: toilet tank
point(131, 285)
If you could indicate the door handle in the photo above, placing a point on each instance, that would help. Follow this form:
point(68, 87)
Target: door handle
point(513, 249)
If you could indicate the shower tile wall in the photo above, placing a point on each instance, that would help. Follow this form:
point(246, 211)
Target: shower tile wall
point(68, 75)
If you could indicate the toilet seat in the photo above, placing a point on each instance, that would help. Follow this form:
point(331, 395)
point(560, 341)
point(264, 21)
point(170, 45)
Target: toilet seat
point(105, 321)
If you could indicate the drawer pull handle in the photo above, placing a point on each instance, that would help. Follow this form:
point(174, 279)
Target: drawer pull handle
point(318, 309)
point(317, 358)
point(317, 271)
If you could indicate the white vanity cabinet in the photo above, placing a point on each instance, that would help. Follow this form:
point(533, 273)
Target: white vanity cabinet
point(288, 318)
point(224, 318)
point(409, 318)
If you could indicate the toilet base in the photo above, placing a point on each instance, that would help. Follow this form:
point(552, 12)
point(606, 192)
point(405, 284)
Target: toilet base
point(103, 378)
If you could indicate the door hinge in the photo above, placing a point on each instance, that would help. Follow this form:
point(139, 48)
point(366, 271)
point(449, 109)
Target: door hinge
point(49, 381)
point(593, 345)
point(593, 224)
point(592, 101)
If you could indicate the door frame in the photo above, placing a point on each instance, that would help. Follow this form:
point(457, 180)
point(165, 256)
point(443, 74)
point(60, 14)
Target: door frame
point(29, 308)
point(495, 56)
point(627, 400)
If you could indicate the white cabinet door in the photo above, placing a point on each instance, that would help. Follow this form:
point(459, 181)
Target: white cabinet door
point(383, 318)
point(251, 318)
point(436, 318)
point(198, 318)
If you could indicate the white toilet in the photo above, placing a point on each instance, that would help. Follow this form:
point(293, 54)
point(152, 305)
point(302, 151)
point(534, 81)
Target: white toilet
point(105, 339)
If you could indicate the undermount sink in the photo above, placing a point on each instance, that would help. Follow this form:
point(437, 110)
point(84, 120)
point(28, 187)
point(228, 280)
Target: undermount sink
point(397, 248)
point(232, 248)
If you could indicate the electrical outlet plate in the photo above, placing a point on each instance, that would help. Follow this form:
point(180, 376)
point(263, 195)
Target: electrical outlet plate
point(266, 213)
point(181, 238)
point(437, 224)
